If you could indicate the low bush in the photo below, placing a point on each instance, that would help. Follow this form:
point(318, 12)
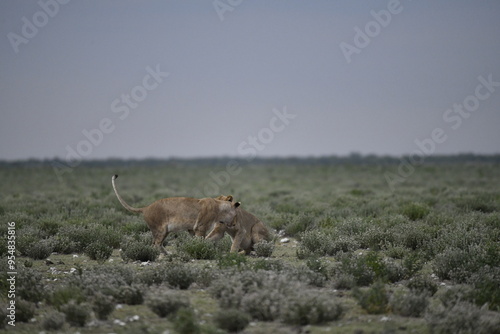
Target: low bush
point(54, 321)
point(179, 275)
point(455, 294)
point(459, 264)
point(29, 285)
point(310, 307)
point(415, 211)
point(264, 294)
point(422, 284)
point(164, 302)
point(231, 320)
point(76, 314)
point(185, 321)
point(130, 294)
point(409, 303)
point(268, 264)
point(98, 251)
point(198, 248)
point(103, 306)
point(228, 260)
point(264, 248)
point(300, 223)
point(373, 300)
point(485, 283)
point(462, 317)
point(40, 250)
point(138, 251)
point(25, 310)
point(64, 294)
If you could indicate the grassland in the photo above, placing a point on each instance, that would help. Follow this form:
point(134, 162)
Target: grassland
point(361, 257)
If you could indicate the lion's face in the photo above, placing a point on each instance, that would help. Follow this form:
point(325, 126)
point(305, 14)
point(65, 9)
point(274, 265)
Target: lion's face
point(228, 210)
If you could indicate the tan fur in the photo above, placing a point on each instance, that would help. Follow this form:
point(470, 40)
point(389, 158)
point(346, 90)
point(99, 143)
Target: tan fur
point(245, 230)
point(176, 214)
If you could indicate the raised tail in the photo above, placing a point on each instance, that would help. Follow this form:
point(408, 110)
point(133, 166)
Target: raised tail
point(125, 205)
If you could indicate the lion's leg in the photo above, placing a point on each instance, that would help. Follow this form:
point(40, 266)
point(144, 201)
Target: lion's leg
point(217, 233)
point(158, 236)
point(238, 238)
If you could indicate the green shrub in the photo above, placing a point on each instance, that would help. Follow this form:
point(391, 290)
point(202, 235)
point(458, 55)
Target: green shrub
point(422, 284)
point(374, 299)
point(40, 250)
point(29, 285)
point(25, 310)
point(361, 270)
point(313, 242)
point(138, 251)
point(62, 295)
point(231, 320)
point(76, 314)
point(64, 245)
point(485, 283)
point(82, 236)
point(54, 321)
point(322, 243)
point(198, 248)
point(300, 223)
point(103, 306)
point(455, 294)
point(232, 260)
point(261, 294)
point(98, 251)
point(185, 321)
point(179, 275)
point(409, 303)
point(130, 294)
point(264, 248)
point(462, 317)
point(412, 263)
point(415, 211)
point(50, 226)
point(309, 307)
point(268, 264)
point(28, 237)
point(166, 302)
point(457, 264)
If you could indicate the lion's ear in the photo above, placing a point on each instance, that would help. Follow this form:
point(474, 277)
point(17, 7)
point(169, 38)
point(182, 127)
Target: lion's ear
point(229, 198)
point(237, 204)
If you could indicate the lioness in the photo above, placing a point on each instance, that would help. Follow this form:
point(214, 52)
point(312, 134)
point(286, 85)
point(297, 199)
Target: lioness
point(245, 230)
point(182, 214)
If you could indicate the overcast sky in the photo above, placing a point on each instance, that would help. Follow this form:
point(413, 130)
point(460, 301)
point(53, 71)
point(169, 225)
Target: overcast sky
point(135, 79)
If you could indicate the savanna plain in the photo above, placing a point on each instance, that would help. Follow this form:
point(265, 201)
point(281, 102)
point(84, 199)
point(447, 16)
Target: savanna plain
point(349, 254)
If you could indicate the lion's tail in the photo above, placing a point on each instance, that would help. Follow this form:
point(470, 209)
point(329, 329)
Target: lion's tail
point(125, 205)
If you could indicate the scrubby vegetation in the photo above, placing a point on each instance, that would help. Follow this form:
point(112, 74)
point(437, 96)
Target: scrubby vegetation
point(347, 250)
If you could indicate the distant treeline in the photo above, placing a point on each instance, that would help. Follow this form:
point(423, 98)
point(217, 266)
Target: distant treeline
point(352, 159)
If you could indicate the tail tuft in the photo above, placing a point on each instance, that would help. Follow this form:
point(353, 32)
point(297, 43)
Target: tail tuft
point(115, 176)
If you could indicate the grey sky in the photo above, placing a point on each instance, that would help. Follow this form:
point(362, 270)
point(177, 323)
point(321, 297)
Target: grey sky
point(229, 78)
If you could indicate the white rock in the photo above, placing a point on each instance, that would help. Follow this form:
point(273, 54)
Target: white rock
point(284, 240)
point(385, 319)
point(119, 322)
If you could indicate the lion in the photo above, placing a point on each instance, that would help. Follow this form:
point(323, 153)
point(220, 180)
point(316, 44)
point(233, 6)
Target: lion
point(174, 214)
point(245, 230)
